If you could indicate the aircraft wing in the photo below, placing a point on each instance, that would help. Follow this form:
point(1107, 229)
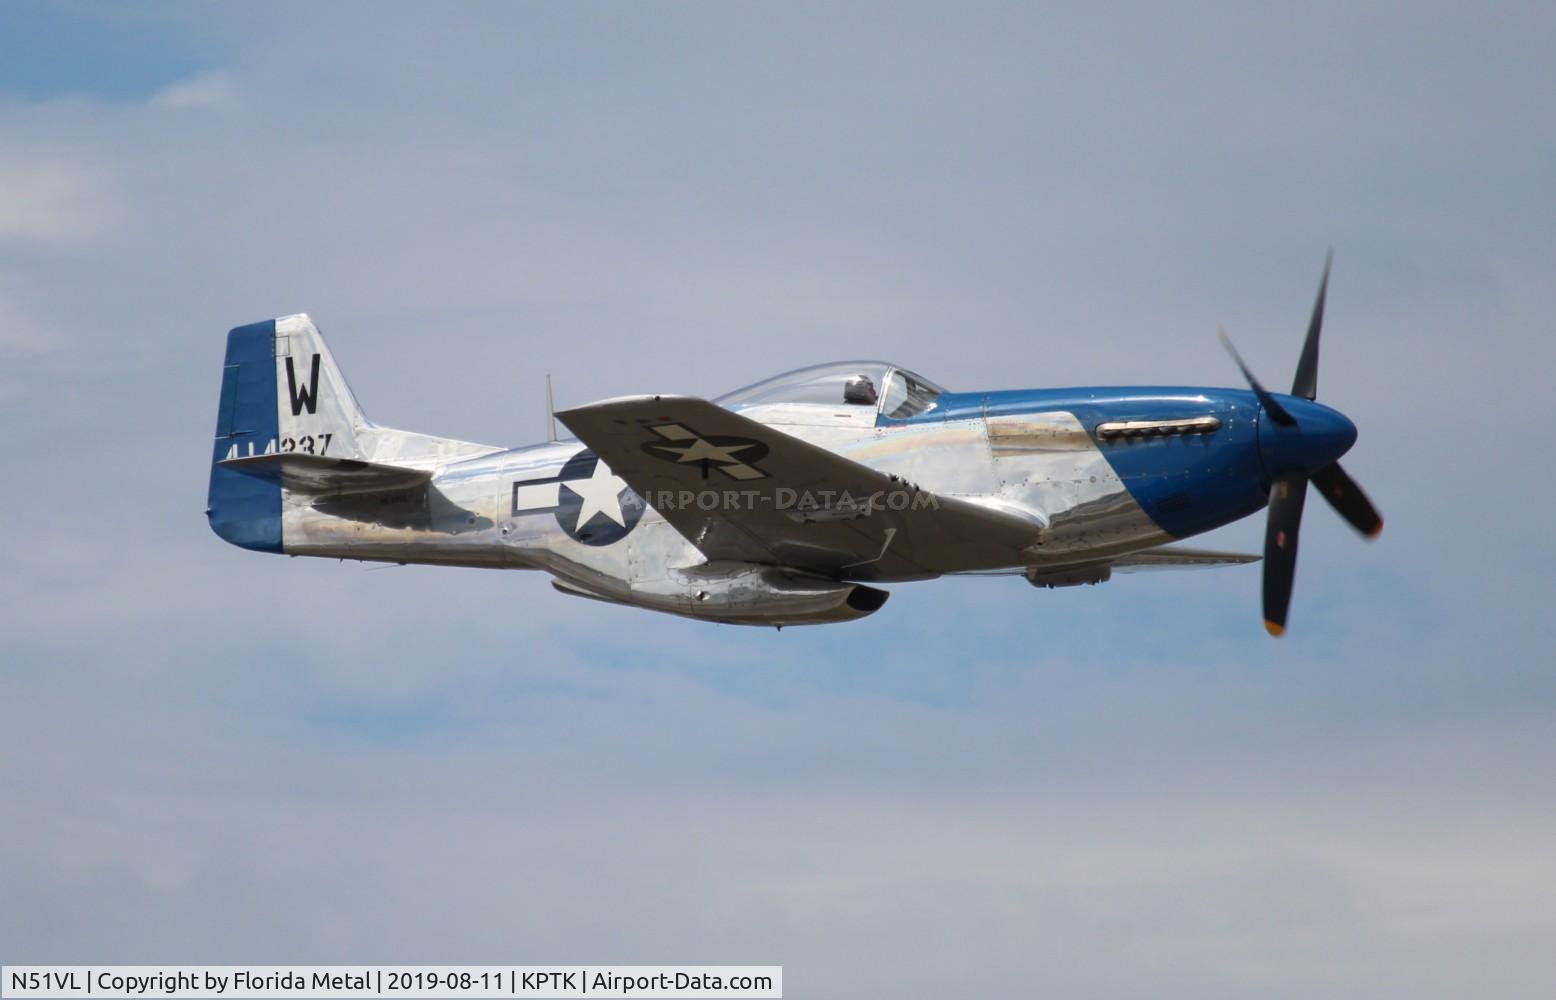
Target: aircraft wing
point(741, 490)
point(316, 474)
point(1145, 560)
point(1177, 557)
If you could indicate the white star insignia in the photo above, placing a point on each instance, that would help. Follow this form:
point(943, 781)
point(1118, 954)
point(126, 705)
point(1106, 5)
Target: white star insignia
point(600, 493)
point(705, 451)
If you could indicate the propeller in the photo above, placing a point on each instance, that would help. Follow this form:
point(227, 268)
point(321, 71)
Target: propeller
point(1302, 453)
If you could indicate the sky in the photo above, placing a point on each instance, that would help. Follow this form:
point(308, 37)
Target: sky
point(213, 756)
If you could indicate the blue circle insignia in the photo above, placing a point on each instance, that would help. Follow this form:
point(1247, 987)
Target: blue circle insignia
point(591, 494)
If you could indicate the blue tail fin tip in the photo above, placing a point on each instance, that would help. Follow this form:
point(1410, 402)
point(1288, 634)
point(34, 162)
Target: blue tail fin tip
point(246, 510)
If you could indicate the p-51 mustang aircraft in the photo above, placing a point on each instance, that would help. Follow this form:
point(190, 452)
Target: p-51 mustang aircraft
point(786, 502)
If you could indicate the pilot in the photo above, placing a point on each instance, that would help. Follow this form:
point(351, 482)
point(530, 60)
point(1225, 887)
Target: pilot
point(859, 390)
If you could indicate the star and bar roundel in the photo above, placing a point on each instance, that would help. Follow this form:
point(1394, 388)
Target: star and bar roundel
point(592, 504)
point(735, 457)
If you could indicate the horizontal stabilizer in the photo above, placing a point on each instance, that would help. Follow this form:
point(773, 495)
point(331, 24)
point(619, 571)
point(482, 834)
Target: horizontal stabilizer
point(318, 474)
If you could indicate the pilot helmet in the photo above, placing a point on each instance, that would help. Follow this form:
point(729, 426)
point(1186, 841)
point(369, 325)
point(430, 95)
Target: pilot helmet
point(859, 390)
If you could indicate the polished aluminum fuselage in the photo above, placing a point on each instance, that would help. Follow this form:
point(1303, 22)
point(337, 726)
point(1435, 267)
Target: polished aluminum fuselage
point(1036, 454)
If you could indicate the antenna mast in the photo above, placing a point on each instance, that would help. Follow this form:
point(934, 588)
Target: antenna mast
point(550, 412)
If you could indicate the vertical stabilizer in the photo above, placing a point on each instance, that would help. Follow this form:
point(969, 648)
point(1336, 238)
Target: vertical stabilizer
point(318, 415)
point(282, 394)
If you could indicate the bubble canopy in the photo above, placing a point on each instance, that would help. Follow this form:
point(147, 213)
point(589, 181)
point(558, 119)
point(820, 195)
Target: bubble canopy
point(895, 392)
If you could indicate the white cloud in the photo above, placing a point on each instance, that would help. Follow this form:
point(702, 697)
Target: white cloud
point(52, 200)
point(206, 91)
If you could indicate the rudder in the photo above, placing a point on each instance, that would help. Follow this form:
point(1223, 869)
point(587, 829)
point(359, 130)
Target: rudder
point(242, 509)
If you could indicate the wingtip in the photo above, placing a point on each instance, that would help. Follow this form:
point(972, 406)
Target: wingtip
point(1274, 629)
point(1372, 535)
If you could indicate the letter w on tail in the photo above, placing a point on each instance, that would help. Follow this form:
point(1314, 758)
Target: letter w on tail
point(306, 396)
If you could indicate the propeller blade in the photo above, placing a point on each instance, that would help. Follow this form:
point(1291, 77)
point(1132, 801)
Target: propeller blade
point(1287, 494)
point(1277, 412)
point(1348, 500)
point(1306, 382)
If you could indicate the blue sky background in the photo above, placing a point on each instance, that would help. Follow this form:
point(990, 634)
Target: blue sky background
point(212, 756)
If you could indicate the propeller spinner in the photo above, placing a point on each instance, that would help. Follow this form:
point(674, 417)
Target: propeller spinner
point(1301, 441)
